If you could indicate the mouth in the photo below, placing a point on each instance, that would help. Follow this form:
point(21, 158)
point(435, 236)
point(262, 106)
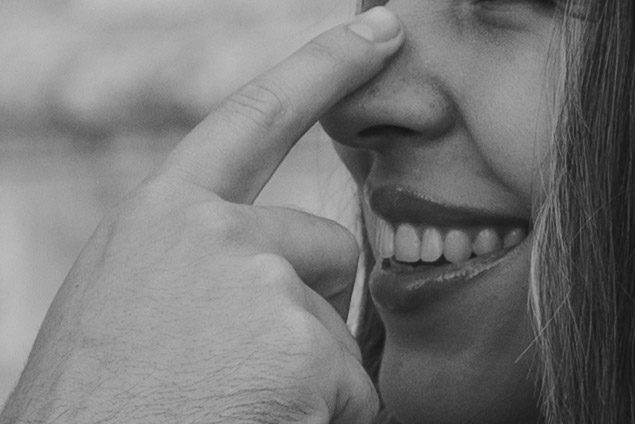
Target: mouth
point(424, 246)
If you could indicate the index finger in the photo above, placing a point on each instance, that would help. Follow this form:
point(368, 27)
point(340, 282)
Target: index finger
point(236, 149)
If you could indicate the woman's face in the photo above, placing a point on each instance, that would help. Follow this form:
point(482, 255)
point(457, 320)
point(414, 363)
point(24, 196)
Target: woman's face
point(446, 146)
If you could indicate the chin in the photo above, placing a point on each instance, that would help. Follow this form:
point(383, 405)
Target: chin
point(424, 387)
point(462, 352)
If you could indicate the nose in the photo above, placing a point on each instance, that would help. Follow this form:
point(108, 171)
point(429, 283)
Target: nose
point(413, 98)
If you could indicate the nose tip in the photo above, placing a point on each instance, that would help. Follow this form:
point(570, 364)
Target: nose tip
point(415, 97)
point(390, 108)
point(424, 130)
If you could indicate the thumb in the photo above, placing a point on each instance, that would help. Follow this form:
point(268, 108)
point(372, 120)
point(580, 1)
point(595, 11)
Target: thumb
point(322, 252)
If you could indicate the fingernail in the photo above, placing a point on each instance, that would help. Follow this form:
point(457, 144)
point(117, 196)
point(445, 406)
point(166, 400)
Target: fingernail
point(377, 25)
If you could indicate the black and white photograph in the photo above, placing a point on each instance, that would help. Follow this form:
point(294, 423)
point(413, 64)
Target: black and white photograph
point(317, 211)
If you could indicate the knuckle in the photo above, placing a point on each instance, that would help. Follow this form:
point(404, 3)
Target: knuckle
point(308, 334)
point(222, 222)
point(262, 104)
point(275, 273)
point(274, 268)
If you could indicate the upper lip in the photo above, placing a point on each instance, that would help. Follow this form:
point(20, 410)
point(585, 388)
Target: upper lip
point(399, 204)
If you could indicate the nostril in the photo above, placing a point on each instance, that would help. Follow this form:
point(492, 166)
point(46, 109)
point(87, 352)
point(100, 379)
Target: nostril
point(386, 131)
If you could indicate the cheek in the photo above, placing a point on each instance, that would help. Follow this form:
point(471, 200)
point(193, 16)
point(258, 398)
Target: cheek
point(513, 128)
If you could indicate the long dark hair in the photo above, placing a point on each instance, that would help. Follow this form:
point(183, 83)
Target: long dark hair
point(583, 271)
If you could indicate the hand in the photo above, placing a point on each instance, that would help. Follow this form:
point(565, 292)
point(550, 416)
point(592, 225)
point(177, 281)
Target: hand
point(189, 304)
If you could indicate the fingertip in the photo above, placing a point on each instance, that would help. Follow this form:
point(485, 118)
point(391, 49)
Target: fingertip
point(367, 42)
point(378, 25)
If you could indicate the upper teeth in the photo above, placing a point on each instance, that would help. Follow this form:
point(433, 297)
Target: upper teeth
point(410, 243)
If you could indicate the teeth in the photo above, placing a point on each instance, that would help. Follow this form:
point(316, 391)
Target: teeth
point(514, 237)
point(487, 241)
point(457, 246)
point(407, 243)
point(431, 245)
point(410, 243)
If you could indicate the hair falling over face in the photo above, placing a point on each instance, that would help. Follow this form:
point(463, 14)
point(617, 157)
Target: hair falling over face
point(584, 257)
point(583, 261)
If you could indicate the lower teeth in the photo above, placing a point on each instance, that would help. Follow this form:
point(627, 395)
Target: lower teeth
point(395, 265)
point(399, 266)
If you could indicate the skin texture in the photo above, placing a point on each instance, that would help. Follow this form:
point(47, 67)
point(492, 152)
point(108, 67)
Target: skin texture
point(461, 116)
point(191, 305)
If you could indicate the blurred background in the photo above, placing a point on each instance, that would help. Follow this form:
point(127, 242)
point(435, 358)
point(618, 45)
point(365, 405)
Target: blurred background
point(95, 93)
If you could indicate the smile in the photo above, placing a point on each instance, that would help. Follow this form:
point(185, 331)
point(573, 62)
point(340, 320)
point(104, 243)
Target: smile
point(426, 244)
point(423, 246)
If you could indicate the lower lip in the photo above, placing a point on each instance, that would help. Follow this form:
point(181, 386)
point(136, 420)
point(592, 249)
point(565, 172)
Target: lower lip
point(403, 292)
